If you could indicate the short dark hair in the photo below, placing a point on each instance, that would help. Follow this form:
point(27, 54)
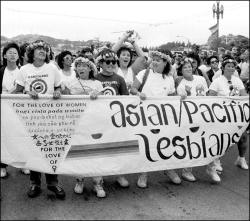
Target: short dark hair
point(7, 47)
point(61, 56)
point(125, 49)
point(182, 63)
point(210, 58)
point(227, 59)
point(194, 56)
point(85, 50)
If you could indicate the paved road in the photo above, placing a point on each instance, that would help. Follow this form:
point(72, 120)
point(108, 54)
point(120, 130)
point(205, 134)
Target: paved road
point(161, 201)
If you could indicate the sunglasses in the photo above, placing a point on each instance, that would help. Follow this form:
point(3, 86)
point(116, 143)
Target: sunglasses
point(110, 61)
point(212, 62)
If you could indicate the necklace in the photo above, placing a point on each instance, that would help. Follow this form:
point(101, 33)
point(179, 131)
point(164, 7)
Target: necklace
point(84, 91)
point(85, 86)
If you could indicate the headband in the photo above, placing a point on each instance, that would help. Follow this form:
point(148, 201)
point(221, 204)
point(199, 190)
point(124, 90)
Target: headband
point(86, 61)
point(229, 60)
point(160, 54)
point(36, 45)
point(104, 56)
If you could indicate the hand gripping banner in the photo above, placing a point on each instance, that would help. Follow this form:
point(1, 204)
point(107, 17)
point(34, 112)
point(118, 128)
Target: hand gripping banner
point(112, 135)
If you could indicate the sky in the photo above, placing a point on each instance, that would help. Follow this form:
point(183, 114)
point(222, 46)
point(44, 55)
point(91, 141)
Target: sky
point(157, 22)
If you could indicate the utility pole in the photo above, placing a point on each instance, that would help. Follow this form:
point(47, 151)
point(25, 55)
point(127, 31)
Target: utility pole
point(217, 9)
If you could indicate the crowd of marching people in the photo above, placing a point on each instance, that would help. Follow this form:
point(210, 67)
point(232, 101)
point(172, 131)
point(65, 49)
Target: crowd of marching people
point(125, 69)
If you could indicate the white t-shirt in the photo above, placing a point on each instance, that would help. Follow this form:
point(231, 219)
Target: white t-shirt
point(222, 87)
point(67, 78)
point(219, 73)
point(195, 84)
point(9, 80)
point(39, 79)
point(156, 85)
point(128, 77)
point(79, 86)
point(204, 68)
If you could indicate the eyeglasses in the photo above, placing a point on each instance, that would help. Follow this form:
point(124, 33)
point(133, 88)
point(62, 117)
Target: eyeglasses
point(215, 61)
point(110, 61)
point(68, 58)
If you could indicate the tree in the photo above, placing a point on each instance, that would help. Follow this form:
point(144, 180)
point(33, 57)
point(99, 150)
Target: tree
point(228, 41)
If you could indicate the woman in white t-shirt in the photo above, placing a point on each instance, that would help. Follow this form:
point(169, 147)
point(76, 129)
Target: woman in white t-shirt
point(123, 48)
point(229, 85)
point(9, 73)
point(125, 56)
point(218, 73)
point(124, 65)
point(67, 72)
point(86, 84)
point(158, 83)
point(190, 85)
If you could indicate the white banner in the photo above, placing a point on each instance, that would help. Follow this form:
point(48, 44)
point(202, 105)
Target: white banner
point(118, 134)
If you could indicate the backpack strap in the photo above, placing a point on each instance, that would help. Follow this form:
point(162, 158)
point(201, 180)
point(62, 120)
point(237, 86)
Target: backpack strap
point(144, 79)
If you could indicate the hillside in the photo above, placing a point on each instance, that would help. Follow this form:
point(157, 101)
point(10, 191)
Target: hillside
point(57, 44)
point(226, 41)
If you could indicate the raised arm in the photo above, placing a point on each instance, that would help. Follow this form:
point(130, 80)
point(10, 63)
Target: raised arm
point(124, 38)
point(138, 49)
point(119, 43)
